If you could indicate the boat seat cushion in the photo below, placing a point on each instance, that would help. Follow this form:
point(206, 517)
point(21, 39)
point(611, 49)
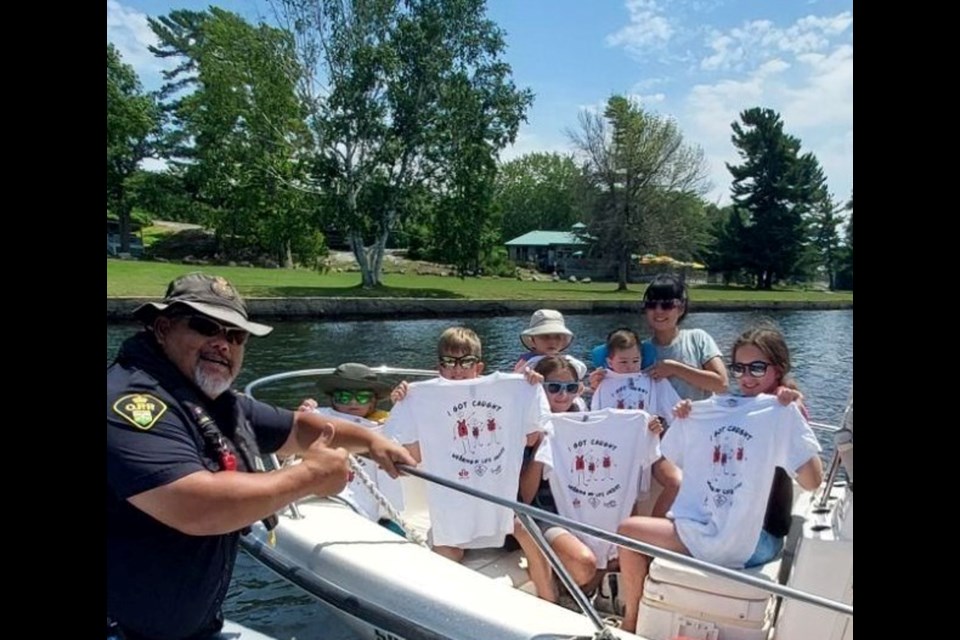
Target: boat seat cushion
point(674, 573)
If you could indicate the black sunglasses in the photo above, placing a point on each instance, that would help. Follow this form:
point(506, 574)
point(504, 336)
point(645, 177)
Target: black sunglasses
point(211, 328)
point(464, 362)
point(757, 368)
point(666, 305)
point(554, 388)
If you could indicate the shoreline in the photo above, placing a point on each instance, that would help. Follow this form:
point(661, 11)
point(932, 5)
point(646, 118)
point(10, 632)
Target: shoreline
point(121, 309)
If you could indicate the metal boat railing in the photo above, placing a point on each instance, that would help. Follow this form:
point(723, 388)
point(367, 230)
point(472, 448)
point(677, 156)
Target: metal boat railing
point(528, 513)
point(636, 545)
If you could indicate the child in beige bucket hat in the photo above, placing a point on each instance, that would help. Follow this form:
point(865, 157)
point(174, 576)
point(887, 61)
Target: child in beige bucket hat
point(547, 335)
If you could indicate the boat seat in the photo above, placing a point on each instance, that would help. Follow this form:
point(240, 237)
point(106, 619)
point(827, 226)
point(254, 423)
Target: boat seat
point(669, 572)
point(682, 601)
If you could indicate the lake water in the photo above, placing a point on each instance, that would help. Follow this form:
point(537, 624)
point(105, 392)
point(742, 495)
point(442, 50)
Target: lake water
point(821, 344)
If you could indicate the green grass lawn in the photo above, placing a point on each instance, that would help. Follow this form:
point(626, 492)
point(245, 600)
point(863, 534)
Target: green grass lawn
point(149, 279)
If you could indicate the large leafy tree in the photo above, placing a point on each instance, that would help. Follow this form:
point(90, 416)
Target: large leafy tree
point(132, 118)
point(539, 191)
point(775, 186)
point(238, 128)
point(644, 177)
point(402, 95)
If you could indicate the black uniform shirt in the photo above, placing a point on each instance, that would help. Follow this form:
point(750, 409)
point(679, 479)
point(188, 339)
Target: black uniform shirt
point(162, 583)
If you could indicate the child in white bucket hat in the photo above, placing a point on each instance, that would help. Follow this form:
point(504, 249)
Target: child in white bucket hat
point(547, 335)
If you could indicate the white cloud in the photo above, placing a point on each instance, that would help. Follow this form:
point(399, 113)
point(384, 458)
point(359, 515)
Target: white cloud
point(648, 28)
point(756, 40)
point(824, 96)
point(803, 71)
point(129, 32)
point(527, 142)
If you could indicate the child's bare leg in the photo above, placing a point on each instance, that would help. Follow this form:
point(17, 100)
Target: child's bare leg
point(451, 553)
point(634, 566)
point(576, 557)
point(537, 565)
point(669, 476)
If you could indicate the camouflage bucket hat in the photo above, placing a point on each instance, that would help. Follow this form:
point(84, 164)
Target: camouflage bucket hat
point(210, 295)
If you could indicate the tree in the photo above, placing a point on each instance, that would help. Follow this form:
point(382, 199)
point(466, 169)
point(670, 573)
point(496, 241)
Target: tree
point(131, 119)
point(642, 173)
point(775, 187)
point(845, 272)
point(162, 194)
point(538, 191)
point(723, 251)
point(402, 95)
point(239, 128)
point(824, 223)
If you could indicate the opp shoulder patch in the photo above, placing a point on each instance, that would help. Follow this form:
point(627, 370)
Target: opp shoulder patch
point(142, 410)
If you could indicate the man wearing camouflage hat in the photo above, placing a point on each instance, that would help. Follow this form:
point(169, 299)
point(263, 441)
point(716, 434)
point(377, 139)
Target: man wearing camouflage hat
point(181, 445)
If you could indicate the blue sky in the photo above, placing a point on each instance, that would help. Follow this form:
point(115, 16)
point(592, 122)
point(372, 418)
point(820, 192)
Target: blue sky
point(700, 62)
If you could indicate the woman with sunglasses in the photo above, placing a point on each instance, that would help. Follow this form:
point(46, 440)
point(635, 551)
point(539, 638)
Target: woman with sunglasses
point(689, 358)
point(729, 448)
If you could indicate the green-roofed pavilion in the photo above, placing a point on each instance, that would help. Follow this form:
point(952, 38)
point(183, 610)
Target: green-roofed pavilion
point(546, 248)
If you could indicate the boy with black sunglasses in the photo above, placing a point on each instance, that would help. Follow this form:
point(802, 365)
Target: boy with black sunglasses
point(470, 429)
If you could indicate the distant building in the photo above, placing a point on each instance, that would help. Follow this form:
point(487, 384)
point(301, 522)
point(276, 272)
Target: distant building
point(113, 238)
point(548, 250)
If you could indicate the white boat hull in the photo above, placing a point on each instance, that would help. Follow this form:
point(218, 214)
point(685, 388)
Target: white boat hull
point(383, 586)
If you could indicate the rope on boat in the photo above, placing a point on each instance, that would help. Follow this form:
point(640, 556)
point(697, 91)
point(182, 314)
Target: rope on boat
point(412, 534)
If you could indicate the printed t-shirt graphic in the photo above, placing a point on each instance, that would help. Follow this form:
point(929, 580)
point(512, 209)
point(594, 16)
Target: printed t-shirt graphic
point(355, 493)
point(471, 432)
point(728, 449)
point(593, 462)
point(635, 391)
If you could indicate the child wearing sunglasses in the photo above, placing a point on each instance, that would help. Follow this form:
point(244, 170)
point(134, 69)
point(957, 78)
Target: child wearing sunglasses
point(560, 381)
point(470, 429)
point(729, 448)
point(625, 386)
point(592, 462)
point(354, 390)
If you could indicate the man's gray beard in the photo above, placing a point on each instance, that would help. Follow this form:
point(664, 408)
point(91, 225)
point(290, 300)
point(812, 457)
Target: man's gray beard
point(211, 385)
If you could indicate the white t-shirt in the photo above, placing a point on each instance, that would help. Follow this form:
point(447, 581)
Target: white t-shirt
point(355, 493)
point(471, 432)
point(593, 462)
point(635, 391)
point(728, 449)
